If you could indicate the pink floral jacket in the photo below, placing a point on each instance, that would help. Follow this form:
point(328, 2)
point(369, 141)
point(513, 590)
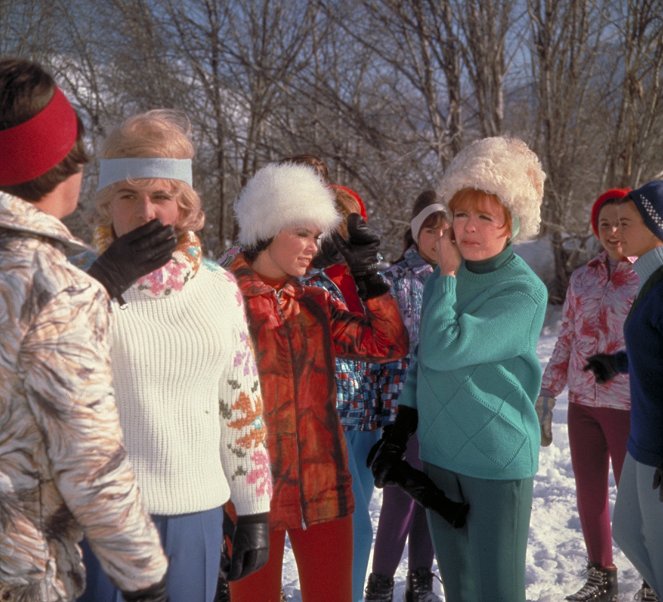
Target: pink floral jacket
point(597, 303)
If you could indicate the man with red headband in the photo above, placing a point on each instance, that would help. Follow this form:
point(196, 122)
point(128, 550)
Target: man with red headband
point(63, 467)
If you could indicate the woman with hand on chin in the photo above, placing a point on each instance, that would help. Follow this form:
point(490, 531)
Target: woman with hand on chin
point(476, 376)
point(184, 374)
point(297, 332)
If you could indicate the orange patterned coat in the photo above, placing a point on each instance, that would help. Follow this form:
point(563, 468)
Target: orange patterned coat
point(298, 331)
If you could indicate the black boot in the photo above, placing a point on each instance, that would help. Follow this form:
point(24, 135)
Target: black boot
point(601, 585)
point(419, 586)
point(379, 588)
point(646, 594)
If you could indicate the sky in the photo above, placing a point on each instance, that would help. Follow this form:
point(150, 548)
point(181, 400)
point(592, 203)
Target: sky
point(556, 554)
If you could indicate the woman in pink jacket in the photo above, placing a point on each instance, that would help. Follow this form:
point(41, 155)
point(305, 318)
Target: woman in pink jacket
point(598, 299)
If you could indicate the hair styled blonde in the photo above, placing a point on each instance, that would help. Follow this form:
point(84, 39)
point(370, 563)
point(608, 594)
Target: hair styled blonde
point(161, 133)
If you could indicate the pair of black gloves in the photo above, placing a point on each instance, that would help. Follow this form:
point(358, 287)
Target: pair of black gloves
point(605, 367)
point(360, 251)
point(389, 468)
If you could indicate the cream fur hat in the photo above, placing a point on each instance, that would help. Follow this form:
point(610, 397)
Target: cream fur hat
point(283, 195)
point(505, 167)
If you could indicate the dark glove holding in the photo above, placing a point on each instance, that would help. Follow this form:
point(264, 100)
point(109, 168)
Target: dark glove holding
point(360, 252)
point(250, 548)
point(327, 255)
point(658, 481)
point(154, 593)
point(421, 488)
point(133, 255)
point(603, 366)
point(390, 449)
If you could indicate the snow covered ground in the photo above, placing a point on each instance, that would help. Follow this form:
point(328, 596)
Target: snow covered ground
point(556, 552)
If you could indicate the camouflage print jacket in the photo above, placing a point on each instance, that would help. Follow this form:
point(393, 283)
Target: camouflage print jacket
point(63, 467)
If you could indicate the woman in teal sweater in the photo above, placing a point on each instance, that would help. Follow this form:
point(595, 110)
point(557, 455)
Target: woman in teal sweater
point(473, 386)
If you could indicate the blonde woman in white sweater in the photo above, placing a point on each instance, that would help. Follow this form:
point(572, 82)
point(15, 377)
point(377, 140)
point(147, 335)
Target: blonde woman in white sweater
point(183, 368)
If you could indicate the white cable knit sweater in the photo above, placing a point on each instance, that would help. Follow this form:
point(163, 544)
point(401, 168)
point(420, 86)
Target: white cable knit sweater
point(188, 393)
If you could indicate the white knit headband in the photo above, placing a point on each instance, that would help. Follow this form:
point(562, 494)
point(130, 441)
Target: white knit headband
point(420, 218)
point(133, 168)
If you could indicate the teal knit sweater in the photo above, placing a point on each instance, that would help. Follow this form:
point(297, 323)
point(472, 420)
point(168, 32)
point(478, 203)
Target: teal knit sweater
point(476, 375)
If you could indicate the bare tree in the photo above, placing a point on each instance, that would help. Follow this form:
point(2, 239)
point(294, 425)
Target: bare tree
point(634, 147)
point(485, 24)
point(566, 39)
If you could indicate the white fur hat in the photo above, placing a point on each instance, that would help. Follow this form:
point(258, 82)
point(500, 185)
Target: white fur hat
point(505, 167)
point(283, 195)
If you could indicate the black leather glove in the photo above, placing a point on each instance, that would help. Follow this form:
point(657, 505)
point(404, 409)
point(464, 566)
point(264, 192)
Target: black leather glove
point(133, 255)
point(421, 489)
point(154, 593)
point(360, 252)
point(658, 481)
point(327, 255)
point(603, 365)
point(250, 547)
point(390, 449)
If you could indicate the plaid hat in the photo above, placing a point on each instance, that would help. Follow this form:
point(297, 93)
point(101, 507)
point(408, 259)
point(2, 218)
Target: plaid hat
point(608, 195)
point(649, 201)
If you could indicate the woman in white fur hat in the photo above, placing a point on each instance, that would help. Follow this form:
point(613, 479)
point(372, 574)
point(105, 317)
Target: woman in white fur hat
point(476, 377)
point(297, 332)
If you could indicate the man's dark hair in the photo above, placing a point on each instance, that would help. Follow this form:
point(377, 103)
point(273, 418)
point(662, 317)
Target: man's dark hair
point(25, 89)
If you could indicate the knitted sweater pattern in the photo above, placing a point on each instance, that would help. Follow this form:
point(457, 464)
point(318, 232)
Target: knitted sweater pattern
point(643, 332)
point(189, 397)
point(596, 305)
point(477, 375)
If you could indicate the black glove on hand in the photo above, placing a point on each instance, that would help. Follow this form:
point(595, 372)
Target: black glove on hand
point(327, 255)
point(133, 255)
point(603, 365)
point(390, 449)
point(360, 252)
point(658, 481)
point(250, 548)
point(154, 593)
point(421, 489)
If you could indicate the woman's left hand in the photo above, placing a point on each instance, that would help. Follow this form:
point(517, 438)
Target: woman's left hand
point(448, 255)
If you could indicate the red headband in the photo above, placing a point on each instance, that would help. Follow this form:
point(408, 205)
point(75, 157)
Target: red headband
point(355, 196)
point(29, 149)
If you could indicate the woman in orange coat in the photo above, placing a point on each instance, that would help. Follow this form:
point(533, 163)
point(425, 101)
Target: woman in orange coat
point(297, 332)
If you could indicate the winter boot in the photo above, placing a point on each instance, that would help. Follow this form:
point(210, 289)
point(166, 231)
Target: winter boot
point(379, 588)
point(419, 586)
point(645, 594)
point(601, 585)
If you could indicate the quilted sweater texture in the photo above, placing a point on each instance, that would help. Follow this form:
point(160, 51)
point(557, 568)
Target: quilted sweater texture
point(477, 375)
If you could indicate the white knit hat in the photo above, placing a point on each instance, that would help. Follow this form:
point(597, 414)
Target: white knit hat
point(505, 167)
point(283, 195)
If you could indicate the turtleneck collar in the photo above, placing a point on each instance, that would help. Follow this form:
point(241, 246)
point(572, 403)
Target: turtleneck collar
point(648, 263)
point(493, 263)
